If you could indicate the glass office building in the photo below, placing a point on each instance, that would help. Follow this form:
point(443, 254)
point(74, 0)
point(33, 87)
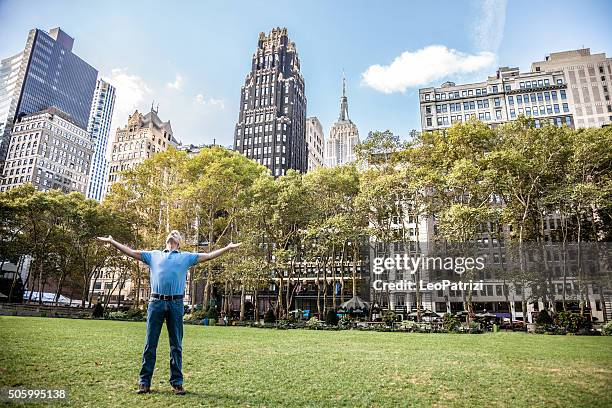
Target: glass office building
point(45, 74)
point(99, 129)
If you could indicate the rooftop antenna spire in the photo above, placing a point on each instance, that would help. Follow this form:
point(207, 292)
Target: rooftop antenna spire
point(344, 116)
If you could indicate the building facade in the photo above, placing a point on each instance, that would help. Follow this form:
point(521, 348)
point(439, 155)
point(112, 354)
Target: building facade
point(49, 150)
point(45, 74)
point(315, 141)
point(343, 136)
point(501, 98)
point(589, 79)
point(142, 137)
point(99, 129)
point(271, 126)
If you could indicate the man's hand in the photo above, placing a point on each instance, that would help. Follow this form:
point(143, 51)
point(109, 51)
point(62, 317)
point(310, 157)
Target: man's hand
point(213, 254)
point(106, 240)
point(125, 249)
point(232, 245)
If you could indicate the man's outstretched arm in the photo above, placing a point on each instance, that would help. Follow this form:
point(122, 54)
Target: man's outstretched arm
point(123, 248)
point(207, 256)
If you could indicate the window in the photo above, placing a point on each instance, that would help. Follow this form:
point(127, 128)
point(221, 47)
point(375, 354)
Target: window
point(497, 102)
point(511, 100)
point(512, 113)
point(494, 88)
point(428, 121)
point(427, 97)
point(519, 99)
point(562, 94)
point(565, 107)
point(507, 87)
point(556, 108)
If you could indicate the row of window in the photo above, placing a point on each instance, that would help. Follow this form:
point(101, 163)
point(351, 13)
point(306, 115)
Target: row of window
point(542, 110)
point(539, 97)
point(493, 89)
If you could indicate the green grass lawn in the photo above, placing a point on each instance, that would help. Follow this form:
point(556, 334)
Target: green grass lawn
point(98, 363)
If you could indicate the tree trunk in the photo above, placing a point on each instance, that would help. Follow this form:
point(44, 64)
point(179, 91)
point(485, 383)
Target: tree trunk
point(242, 300)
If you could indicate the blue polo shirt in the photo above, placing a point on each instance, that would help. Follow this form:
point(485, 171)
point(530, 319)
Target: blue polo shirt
point(168, 270)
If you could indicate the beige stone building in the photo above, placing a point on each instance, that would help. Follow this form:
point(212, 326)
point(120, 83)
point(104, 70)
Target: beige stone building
point(142, 137)
point(589, 78)
point(49, 150)
point(315, 142)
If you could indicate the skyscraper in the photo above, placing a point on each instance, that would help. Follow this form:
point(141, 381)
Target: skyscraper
point(99, 129)
point(45, 74)
point(343, 136)
point(142, 137)
point(589, 78)
point(315, 141)
point(271, 126)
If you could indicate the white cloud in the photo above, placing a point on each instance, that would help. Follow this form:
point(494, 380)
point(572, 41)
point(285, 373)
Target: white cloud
point(424, 66)
point(489, 29)
point(131, 93)
point(216, 103)
point(177, 85)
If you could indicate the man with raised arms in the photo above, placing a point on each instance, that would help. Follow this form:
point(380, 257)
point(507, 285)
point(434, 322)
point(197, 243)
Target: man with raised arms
point(168, 275)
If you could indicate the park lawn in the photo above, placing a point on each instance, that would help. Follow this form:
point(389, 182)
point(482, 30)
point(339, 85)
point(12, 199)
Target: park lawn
point(98, 363)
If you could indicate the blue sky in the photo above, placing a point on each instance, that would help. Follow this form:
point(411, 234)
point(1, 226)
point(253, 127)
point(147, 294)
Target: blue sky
point(191, 57)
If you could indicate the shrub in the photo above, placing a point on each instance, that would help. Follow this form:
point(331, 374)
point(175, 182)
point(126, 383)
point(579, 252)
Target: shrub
point(573, 322)
point(212, 313)
point(410, 326)
point(269, 316)
point(117, 315)
point(450, 323)
point(198, 315)
point(544, 318)
point(135, 314)
point(331, 317)
point(345, 322)
point(474, 328)
point(607, 329)
point(314, 323)
point(98, 311)
point(389, 317)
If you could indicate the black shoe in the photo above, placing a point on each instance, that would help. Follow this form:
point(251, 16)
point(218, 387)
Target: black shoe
point(178, 389)
point(143, 389)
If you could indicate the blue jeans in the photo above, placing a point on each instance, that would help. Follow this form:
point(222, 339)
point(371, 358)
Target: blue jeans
point(172, 313)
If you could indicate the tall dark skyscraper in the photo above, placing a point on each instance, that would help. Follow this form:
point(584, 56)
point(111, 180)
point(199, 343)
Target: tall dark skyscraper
point(45, 74)
point(271, 127)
